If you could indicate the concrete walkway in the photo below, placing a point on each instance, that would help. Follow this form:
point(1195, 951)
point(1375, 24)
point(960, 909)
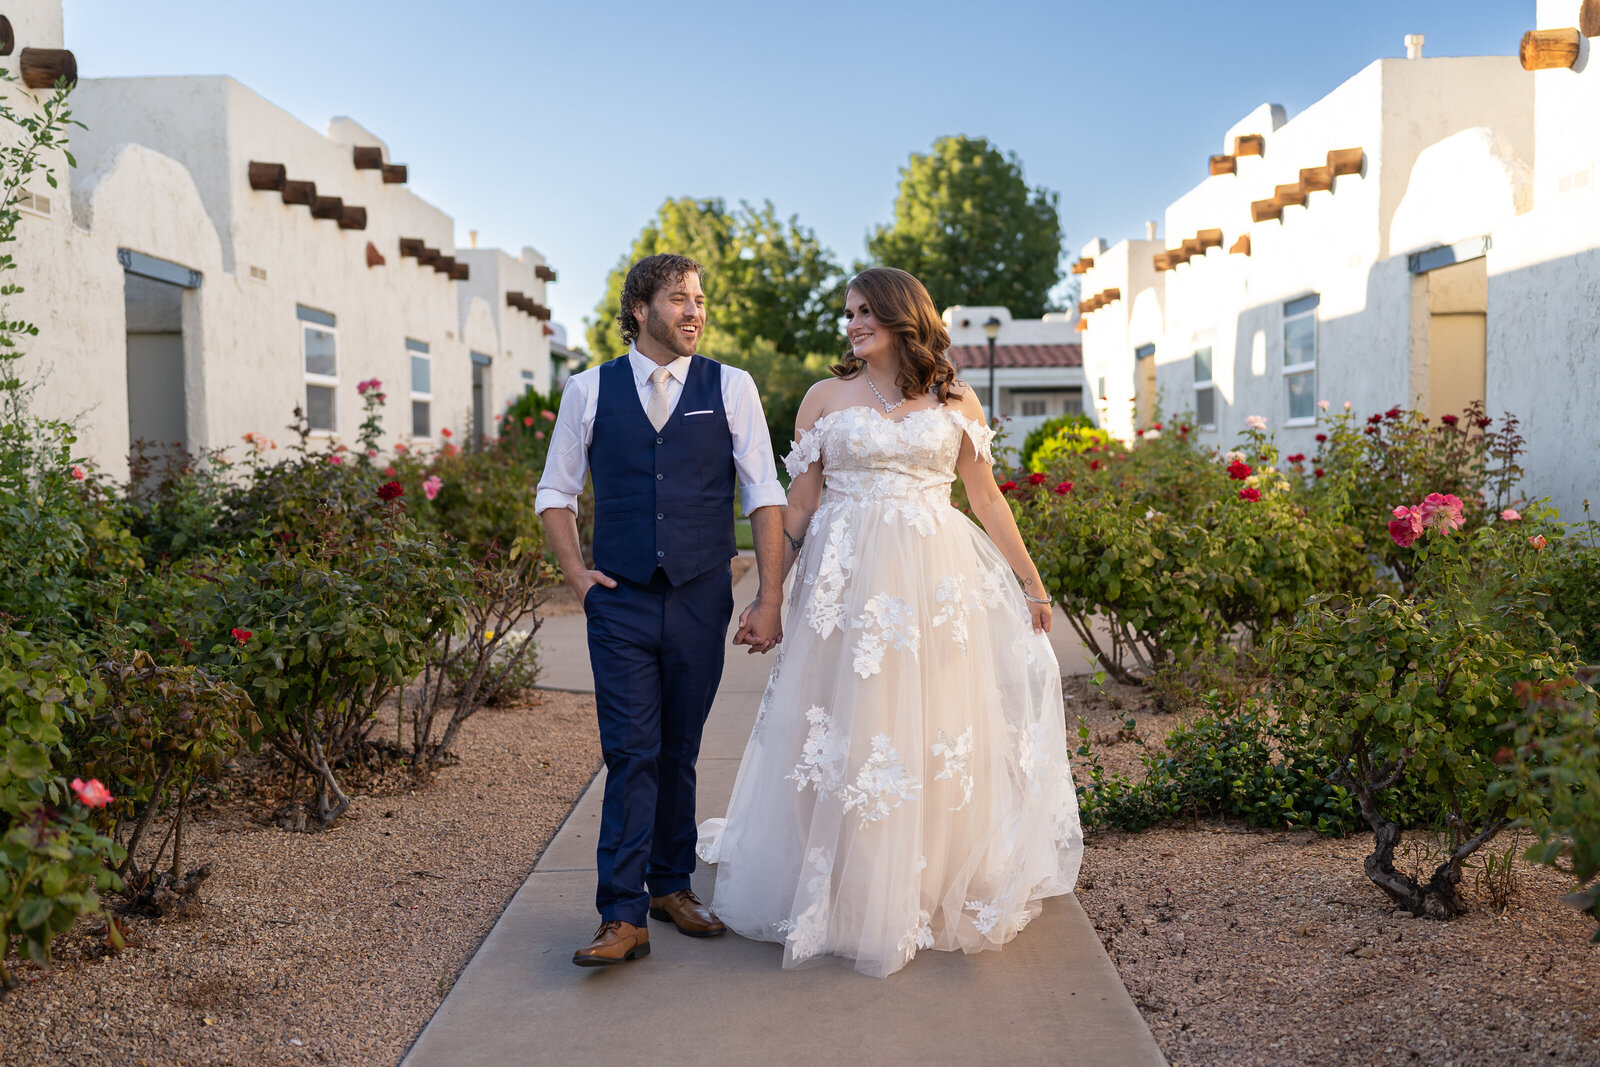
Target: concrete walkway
point(1049, 997)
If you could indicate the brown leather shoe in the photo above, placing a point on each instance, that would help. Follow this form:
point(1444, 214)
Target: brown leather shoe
point(615, 942)
point(684, 910)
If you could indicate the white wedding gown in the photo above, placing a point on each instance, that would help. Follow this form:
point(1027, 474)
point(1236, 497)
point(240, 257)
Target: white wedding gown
point(906, 784)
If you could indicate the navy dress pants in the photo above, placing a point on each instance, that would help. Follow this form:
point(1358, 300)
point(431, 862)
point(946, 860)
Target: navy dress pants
point(657, 653)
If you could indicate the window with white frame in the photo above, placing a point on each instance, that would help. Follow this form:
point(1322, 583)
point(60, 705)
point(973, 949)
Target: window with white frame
point(1300, 357)
point(527, 381)
point(1205, 390)
point(319, 342)
point(421, 388)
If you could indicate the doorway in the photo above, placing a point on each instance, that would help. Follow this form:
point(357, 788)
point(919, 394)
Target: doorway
point(157, 403)
point(1449, 351)
point(157, 389)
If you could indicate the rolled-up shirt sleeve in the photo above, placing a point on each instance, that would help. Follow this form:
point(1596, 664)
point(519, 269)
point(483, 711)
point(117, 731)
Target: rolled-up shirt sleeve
point(752, 446)
point(566, 464)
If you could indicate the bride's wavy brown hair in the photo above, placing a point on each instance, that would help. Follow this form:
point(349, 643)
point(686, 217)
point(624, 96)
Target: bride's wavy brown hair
point(902, 305)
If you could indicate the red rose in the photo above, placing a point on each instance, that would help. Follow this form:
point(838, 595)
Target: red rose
point(445, 432)
point(1393, 413)
point(527, 420)
point(1064, 488)
point(1138, 433)
point(1373, 420)
point(1239, 470)
point(1449, 420)
point(1094, 464)
point(1370, 430)
point(1298, 457)
point(1321, 437)
point(1184, 428)
point(1035, 479)
point(1249, 494)
point(1006, 487)
point(1156, 427)
point(242, 636)
point(1483, 424)
point(391, 491)
point(1318, 472)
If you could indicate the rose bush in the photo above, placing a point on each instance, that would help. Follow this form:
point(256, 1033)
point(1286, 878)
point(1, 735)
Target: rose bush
point(1416, 692)
point(1163, 550)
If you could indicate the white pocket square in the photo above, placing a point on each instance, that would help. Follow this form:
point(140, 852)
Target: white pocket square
point(707, 411)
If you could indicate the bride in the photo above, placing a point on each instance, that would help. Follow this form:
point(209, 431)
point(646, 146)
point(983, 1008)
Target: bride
point(906, 784)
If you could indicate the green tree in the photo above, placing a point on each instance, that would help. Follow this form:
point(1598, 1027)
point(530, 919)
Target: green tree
point(766, 278)
point(969, 227)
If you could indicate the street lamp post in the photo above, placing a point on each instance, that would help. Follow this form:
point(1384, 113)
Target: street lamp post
point(991, 330)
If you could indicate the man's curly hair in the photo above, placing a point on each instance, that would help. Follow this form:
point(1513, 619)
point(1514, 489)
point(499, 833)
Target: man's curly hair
point(645, 279)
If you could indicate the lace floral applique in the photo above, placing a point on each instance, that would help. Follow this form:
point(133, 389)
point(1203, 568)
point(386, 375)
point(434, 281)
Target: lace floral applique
point(956, 752)
point(809, 934)
point(767, 694)
point(820, 759)
point(918, 937)
point(1029, 744)
point(881, 785)
point(957, 604)
point(981, 436)
point(805, 452)
point(825, 613)
point(985, 914)
point(885, 622)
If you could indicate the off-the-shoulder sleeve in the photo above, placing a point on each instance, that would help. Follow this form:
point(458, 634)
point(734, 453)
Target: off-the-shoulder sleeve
point(806, 451)
point(981, 436)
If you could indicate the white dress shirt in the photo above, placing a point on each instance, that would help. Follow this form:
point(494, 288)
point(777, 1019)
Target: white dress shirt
point(566, 466)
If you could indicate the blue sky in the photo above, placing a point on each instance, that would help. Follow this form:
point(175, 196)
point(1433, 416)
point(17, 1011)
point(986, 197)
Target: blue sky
point(564, 126)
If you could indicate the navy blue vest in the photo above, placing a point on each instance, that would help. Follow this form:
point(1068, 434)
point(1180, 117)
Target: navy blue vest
point(662, 499)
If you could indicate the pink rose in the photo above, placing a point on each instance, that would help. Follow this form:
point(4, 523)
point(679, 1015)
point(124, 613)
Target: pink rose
point(92, 792)
point(547, 415)
point(539, 434)
point(1510, 515)
point(1537, 540)
point(77, 474)
point(1407, 526)
point(336, 460)
point(1442, 510)
point(431, 487)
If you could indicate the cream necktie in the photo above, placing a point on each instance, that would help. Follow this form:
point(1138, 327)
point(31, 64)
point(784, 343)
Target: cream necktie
point(659, 407)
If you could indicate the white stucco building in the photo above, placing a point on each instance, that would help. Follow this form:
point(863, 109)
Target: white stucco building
point(213, 262)
point(1425, 235)
point(1038, 363)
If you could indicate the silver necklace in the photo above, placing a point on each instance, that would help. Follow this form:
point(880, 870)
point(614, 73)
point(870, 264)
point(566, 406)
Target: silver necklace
point(887, 407)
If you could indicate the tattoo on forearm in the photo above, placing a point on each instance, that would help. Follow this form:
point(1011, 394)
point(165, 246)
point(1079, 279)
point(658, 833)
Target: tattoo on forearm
point(795, 542)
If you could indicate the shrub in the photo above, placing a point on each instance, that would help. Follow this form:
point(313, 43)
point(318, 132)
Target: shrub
point(157, 731)
point(1418, 691)
point(1158, 552)
point(1234, 760)
point(1398, 456)
point(484, 658)
point(53, 864)
point(1555, 752)
point(319, 636)
point(1058, 436)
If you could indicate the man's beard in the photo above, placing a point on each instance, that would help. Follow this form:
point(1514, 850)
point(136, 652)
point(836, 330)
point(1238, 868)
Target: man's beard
point(667, 335)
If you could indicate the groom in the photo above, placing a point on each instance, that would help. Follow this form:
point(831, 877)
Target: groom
point(666, 434)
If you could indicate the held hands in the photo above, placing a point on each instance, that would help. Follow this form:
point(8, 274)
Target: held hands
point(760, 626)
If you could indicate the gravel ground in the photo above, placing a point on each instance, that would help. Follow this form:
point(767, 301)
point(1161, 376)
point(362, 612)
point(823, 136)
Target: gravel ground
point(320, 948)
point(1244, 947)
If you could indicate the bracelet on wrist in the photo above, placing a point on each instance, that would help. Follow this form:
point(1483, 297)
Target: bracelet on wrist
point(1036, 599)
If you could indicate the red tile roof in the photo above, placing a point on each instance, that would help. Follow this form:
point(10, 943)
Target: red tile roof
point(968, 357)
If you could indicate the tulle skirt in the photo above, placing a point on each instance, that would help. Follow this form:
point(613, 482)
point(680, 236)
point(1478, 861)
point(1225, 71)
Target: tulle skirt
point(906, 785)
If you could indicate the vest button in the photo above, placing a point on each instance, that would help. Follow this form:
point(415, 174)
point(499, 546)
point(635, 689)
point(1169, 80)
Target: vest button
point(660, 553)
point(659, 516)
point(660, 441)
point(660, 476)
